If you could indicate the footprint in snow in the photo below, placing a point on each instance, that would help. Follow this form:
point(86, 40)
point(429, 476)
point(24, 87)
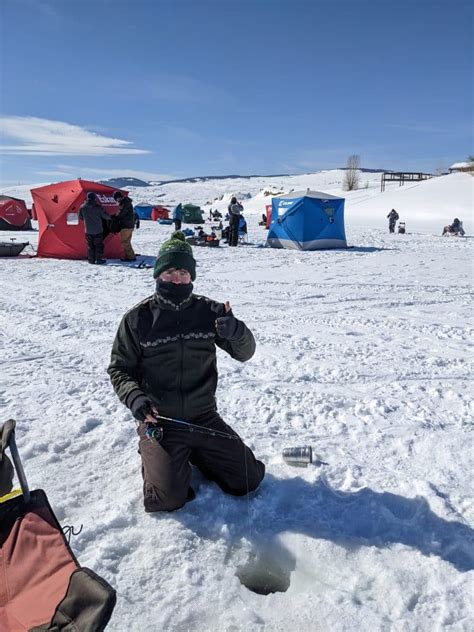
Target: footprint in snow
point(60, 446)
point(90, 424)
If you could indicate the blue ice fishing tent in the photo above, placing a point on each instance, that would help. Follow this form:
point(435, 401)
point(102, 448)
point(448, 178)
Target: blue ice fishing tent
point(144, 210)
point(307, 220)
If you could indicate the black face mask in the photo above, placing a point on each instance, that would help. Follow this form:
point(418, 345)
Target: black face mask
point(174, 292)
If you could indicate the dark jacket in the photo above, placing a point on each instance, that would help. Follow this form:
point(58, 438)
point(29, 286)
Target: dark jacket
point(178, 212)
point(235, 209)
point(125, 218)
point(169, 354)
point(393, 215)
point(93, 213)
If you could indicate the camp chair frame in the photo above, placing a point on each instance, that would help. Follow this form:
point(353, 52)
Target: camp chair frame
point(18, 465)
point(243, 237)
point(243, 232)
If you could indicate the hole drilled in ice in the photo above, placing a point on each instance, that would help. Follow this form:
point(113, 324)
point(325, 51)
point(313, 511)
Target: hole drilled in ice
point(263, 575)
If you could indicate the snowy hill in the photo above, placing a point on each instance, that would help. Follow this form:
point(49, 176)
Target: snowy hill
point(424, 206)
point(124, 183)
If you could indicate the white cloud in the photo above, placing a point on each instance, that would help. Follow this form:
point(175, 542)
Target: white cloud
point(42, 137)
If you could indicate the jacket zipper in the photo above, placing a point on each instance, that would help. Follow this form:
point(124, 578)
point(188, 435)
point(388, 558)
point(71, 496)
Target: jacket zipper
point(181, 345)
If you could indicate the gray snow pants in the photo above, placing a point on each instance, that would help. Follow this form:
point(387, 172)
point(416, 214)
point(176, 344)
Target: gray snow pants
point(166, 466)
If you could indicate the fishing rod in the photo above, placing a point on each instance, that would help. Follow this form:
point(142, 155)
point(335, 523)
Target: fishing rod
point(301, 456)
point(154, 433)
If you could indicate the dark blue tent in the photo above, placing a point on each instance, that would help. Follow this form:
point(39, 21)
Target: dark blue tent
point(143, 210)
point(307, 220)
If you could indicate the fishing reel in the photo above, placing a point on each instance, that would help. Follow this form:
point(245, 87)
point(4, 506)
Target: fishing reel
point(154, 433)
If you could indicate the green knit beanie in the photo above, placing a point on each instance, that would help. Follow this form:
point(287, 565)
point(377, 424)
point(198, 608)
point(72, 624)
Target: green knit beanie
point(175, 253)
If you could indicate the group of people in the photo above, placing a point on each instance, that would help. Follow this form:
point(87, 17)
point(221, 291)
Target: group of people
point(98, 224)
point(234, 215)
point(456, 228)
point(236, 225)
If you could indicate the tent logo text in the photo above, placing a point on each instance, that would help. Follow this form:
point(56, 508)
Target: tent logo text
point(106, 199)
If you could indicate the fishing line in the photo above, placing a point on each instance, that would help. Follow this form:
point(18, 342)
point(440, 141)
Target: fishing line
point(157, 434)
point(200, 429)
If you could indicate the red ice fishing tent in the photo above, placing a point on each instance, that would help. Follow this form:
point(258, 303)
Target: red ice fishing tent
point(13, 214)
point(61, 234)
point(268, 213)
point(159, 212)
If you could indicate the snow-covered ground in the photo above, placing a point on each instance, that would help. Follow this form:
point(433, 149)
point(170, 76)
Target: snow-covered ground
point(364, 354)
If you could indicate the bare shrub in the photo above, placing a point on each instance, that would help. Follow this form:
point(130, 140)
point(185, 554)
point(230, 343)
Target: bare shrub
point(352, 173)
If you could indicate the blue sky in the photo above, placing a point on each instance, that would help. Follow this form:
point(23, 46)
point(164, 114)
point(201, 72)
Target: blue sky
point(166, 89)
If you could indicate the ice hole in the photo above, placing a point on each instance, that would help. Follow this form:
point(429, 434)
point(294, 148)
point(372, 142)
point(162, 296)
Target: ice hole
point(263, 575)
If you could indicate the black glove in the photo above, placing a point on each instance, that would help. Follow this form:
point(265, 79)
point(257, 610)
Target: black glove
point(141, 407)
point(228, 327)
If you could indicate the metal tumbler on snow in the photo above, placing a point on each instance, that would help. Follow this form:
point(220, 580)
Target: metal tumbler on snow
point(298, 456)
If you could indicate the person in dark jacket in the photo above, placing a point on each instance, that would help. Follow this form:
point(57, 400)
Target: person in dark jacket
point(392, 220)
point(178, 216)
point(163, 365)
point(234, 209)
point(455, 228)
point(126, 221)
point(94, 216)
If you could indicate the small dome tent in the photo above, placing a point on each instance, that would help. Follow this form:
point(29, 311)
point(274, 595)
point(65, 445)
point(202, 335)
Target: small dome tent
point(159, 212)
point(307, 220)
point(61, 234)
point(192, 214)
point(144, 210)
point(13, 214)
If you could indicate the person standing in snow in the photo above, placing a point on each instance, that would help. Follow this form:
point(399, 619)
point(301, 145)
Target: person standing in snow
point(392, 220)
point(164, 362)
point(234, 209)
point(178, 216)
point(93, 215)
point(136, 218)
point(125, 219)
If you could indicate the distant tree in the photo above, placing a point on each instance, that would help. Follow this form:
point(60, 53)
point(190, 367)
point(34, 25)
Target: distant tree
point(352, 173)
point(470, 158)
